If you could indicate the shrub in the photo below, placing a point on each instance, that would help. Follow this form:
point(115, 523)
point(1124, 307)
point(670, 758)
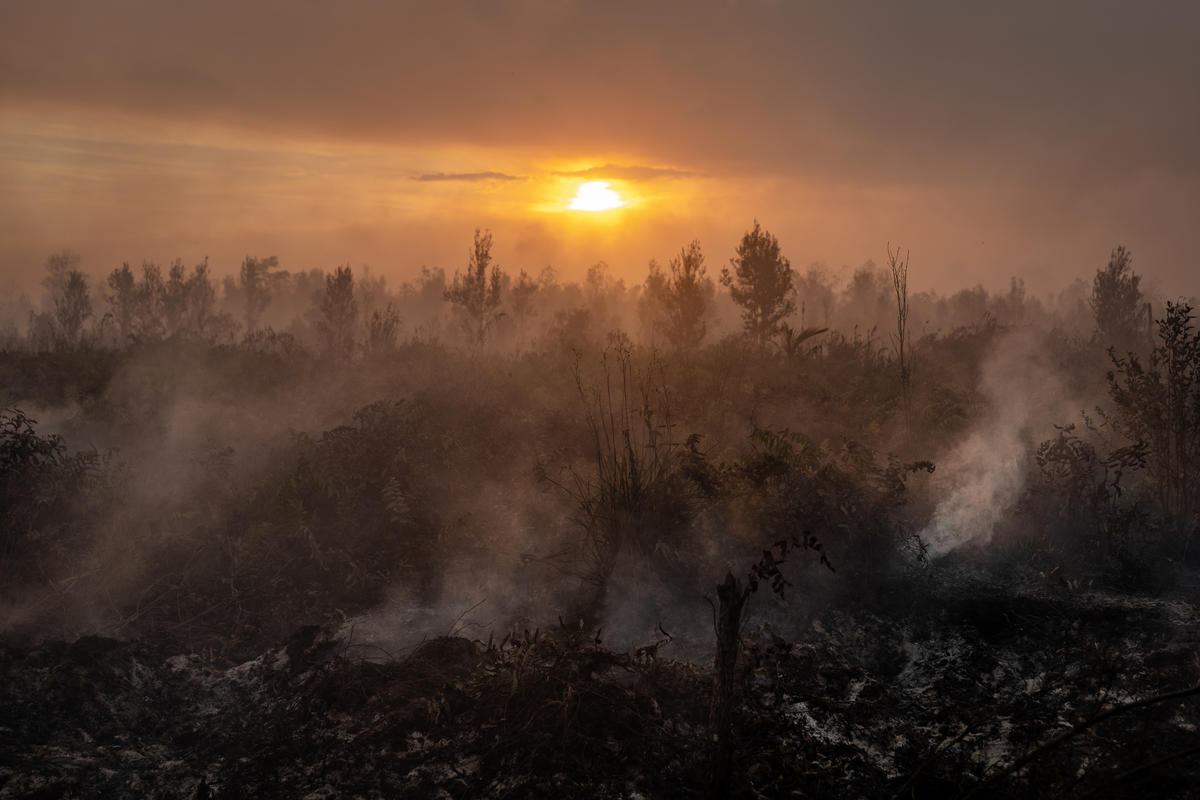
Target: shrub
point(1158, 407)
point(636, 495)
point(47, 495)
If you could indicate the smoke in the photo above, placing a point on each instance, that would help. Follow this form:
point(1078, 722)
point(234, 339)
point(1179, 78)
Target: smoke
point(984, 476)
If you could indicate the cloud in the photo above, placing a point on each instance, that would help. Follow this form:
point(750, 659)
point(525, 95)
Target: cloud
point(628, 173)
point(930, 91)
point(1060, 128)
point(471, 177)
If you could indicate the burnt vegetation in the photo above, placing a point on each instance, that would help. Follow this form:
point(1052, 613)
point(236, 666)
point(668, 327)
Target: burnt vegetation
point(506, 535)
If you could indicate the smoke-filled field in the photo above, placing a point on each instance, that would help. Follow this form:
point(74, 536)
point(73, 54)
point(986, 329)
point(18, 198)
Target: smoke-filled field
point(742, 530)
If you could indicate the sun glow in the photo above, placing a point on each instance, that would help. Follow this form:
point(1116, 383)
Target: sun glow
point(595, 196)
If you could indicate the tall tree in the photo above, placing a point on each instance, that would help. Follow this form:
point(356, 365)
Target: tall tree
point(58, 266)
point(476, 293)
point(142, 308)
point(188, 300)
point(761, 283)
point(152, 292)
point(1116, 300)
point(72, 308)
point(383, 326)
point(686, 296)
point(521, 299)
point(652, 305)
point(175, 300)
point(339, 310)
point(255, 285)
point(1158, 409)
point(122, 299)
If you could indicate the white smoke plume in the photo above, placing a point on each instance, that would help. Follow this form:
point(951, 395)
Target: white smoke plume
point(984, 476)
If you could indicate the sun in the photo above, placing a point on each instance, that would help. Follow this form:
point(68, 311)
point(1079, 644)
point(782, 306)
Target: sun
point(595, 196)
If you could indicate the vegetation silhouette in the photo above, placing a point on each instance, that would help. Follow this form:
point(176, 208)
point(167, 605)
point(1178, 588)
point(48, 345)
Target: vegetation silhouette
point(523, 484)
point(761, 283)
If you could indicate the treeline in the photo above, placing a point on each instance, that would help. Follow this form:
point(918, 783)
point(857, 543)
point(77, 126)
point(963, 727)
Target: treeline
point(294, 446)
point(679, 307)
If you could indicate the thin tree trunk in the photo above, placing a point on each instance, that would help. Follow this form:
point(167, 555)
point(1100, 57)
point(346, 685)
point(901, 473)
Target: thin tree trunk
point(730, 602)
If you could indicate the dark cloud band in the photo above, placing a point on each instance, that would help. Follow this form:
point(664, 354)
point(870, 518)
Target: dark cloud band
point(470, 177)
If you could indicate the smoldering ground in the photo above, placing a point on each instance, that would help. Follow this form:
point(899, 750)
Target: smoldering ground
point(221, 447)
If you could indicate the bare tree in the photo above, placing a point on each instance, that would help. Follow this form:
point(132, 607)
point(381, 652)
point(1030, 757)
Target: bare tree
point(899, 270)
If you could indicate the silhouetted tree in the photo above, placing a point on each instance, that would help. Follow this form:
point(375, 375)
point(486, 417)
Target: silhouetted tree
point(521, 297)
point(522, 294)
point(687, 297)
point(370, 291)
point(382, 330)
point(603, 294)
point(1116, 300)
point(652, 302)
point(476, 293)
point(73, 308)
point(174, 303)
point(339, 310)
point(761, 283)
point(815, 291)
point(866, 301)
point(151, 295)
point(1158, 406)
point(431, 285)
point(138, 306)
point(254, 283)
point(122, 299)
point(58, 266)
point(197, 298)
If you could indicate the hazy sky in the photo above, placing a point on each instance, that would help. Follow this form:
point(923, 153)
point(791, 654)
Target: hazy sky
point(992, 139)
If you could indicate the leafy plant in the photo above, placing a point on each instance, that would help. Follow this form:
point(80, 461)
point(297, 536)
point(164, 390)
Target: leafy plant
point(46, 493)
point(1158, 408)
point(789, 483)
point(794, 341)
point(1116, 300)
point(1086, 487)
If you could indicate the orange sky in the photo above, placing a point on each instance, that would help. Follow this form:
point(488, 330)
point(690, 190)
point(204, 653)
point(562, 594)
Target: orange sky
point(1023, 139)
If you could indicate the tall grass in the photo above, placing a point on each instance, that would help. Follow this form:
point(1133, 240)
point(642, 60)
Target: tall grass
point(633, 495)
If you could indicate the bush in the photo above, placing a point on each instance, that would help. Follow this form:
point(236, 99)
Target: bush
point(637, 495)
point(47, 496)
point(1158, 408)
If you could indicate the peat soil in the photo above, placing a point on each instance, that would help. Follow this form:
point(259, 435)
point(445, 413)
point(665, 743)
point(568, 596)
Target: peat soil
point(954, 683)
